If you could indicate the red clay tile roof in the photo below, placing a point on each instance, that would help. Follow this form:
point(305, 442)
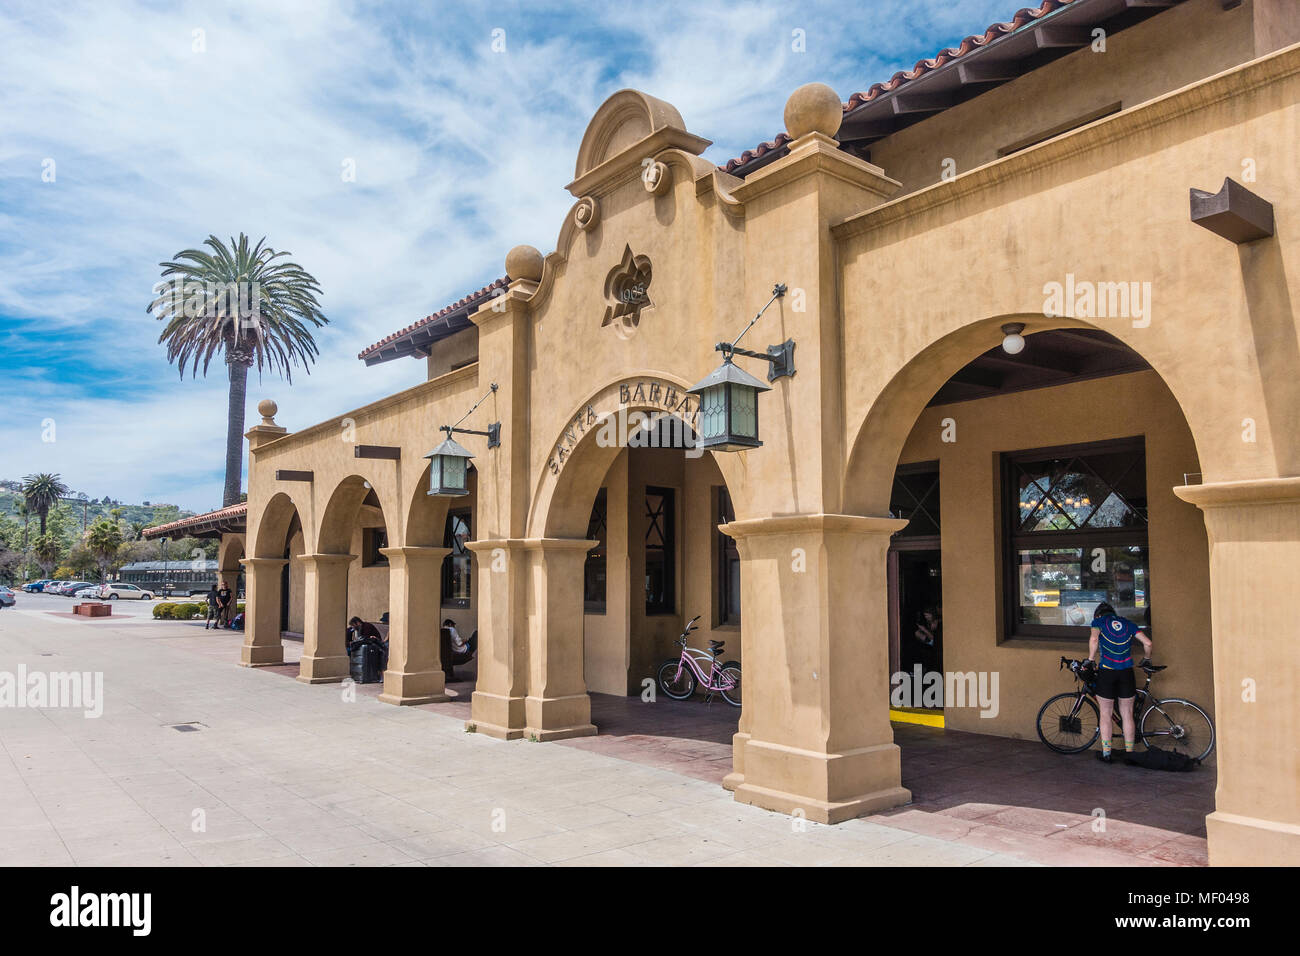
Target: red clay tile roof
point(994, 32)
point(223, 519)
point(467, 303)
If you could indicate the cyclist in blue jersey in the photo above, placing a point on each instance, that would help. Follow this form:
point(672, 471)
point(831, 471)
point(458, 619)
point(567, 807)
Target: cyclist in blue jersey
point(1111, 643)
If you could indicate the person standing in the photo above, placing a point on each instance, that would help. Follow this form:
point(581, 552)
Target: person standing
point(1111, 640)
point(214, 609)
point(226, 599)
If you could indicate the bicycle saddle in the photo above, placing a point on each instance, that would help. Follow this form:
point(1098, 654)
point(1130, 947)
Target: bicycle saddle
point(716, 646)
point(1152, 668)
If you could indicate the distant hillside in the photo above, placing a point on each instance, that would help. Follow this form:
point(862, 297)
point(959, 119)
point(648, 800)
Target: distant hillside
point(148, 513)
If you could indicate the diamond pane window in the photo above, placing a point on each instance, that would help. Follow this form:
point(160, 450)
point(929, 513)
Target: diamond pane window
point(1077, 536)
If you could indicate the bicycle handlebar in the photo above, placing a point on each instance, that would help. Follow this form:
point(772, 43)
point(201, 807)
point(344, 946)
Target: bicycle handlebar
point(1076, 666)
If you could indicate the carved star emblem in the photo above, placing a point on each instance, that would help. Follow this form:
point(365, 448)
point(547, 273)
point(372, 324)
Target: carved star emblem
point(627, 292)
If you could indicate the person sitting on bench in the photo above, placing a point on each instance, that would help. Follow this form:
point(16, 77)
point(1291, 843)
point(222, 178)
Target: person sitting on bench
point(455, 649)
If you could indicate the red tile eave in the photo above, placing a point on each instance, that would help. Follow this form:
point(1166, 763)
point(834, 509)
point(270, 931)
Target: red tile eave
point(973, 42)
point(472, 299)
point(233, 511)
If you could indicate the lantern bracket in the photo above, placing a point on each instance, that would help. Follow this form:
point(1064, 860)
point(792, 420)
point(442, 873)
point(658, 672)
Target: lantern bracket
point(493, 431)
point(780, 357)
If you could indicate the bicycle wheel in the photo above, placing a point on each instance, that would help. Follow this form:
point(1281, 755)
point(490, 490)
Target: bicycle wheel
point(732, 694)
point(1182, 723)
point(678, 687)
point(1067, 724)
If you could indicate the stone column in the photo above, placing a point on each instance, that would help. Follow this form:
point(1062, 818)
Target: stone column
point(325, 599)
point(1254, 536)
point(557, 705)
point(262, 612)
point(497, 705)
point(414, 674)
point(816, 667)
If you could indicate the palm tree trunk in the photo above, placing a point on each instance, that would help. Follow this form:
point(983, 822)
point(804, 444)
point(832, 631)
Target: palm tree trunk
point(235, 432)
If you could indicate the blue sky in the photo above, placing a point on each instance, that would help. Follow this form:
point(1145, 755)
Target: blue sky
point(159, 135)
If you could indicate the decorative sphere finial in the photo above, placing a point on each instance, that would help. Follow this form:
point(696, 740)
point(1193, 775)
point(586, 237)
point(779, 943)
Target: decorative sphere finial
point(524, 262)
point(267, 409)
point(813, 108)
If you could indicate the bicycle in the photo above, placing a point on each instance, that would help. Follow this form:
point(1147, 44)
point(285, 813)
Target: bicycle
point(678, 678)
point(1067, 726)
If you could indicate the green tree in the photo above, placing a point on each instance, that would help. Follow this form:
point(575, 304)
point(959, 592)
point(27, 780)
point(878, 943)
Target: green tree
point(243, 303)
point(102, 540)
point(47, 550)
point(41, 493)
point(137, 529)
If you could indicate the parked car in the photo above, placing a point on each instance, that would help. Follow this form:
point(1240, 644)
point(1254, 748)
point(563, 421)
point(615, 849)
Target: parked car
point(70, 588)
point(7, 598)
point(34, 587)
point(118, 589)
point(87, 592)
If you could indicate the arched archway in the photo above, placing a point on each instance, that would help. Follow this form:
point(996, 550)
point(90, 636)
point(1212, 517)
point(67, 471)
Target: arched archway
point(1037, 485)
point(415, 673)
point(230, 555)
point(623, 548)
point(879, 437)
point(274, 542)
point(346, 577)
point(588, 442)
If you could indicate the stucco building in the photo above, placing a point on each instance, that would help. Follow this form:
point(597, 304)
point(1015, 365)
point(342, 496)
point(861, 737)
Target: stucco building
point(1142, 446)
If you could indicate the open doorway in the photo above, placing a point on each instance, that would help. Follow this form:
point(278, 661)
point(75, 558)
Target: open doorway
point(916, 595)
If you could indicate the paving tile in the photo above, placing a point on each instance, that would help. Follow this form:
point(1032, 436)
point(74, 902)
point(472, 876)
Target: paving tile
point(291, 775)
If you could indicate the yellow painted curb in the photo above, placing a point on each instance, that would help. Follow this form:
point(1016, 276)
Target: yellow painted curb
point(926, 718)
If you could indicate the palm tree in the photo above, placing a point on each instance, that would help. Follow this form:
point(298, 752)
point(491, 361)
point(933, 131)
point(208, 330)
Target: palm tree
point(242, 302)
point(42, 492)
point(47, 550)
point(137, 529)
point(102, 540)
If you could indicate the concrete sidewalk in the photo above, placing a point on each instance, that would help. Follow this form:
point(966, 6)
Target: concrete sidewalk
point(281, 773)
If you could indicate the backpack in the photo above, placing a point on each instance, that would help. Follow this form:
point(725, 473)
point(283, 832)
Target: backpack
point(1154, 758)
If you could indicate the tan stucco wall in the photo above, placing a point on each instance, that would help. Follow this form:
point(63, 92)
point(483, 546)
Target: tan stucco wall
point(606, 636)
point(453, 352)
point(297, 547)
point(1005, 230)
point(367, 586)
point(1121, 406)
point(1138, 64)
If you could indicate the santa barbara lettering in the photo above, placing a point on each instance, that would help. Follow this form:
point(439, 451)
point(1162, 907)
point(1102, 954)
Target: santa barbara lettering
point(650, 392)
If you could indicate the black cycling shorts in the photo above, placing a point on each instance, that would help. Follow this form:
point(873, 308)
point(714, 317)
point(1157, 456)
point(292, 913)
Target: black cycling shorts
point(1116, 683)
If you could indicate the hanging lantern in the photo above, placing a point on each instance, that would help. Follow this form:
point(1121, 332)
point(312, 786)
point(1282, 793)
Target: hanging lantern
point(449, 462)
point(728, 413)
point(449, 469)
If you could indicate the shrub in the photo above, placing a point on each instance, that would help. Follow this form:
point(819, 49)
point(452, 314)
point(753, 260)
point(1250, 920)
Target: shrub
point(162, 612)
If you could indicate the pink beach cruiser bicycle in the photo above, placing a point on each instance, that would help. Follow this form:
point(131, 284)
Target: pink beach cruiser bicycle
point(678, 678)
